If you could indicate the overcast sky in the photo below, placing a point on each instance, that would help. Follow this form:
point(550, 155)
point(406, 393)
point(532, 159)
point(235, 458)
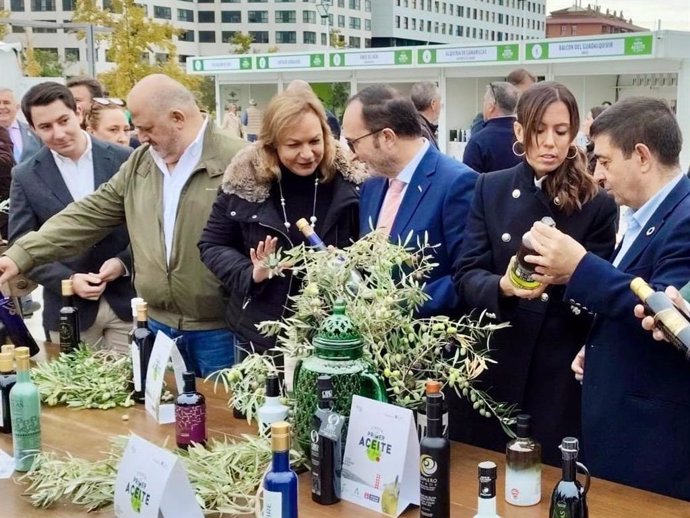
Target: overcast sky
point(674, 14)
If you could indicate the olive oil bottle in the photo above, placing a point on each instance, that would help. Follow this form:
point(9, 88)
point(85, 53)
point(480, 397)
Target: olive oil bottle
point(434, 462)
point(523, 466)
point(569, 498)
point(69, 319)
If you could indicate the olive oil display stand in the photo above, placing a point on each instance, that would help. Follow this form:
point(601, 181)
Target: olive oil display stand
point(381, 462)
point(151, 482)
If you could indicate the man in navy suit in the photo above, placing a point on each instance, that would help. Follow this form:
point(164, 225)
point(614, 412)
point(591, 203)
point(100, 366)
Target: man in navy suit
point(416, 189)
point(69, 167)
point(636, 392)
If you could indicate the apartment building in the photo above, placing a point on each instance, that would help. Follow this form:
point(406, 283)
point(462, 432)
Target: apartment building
point(291, 25)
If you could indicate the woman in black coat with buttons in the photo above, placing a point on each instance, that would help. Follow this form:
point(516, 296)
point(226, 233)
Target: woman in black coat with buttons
point(295, 170)
point(534, 354)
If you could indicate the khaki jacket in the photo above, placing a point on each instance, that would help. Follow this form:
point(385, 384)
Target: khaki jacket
point(183, 294)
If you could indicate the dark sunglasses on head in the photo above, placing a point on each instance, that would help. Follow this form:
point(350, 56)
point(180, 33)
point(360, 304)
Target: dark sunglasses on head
point(105, 101)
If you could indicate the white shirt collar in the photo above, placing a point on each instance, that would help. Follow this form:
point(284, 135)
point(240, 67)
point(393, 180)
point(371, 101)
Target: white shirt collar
point(406, 174)
point(86, 154)
point(194, 149)
point(538, 182)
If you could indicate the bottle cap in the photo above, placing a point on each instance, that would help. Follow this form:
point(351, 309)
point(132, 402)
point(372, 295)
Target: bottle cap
point(142, 311)
point(548, 220)
point(134, 303)
point(272, 386)
point(640, 288)
point(280, 436)
point(523, 426)
point(67, 289)
point(433, 387)
point(6, 361)
point(21, 352)
point(188, 376)
point(22, 363)
point(8, 348)
point(303, 225)
point(487, 469)
point(569, 448)
point(324, 386)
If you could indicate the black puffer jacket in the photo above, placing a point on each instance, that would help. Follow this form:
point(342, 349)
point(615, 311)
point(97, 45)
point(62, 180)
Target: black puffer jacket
point(243, 215)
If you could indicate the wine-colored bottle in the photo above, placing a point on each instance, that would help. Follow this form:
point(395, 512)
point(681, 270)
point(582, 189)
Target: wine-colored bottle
point(135, 354)
point(8, 378)
point(521, 273)
point(144, 339)
point(280, 482)
point(25, 408)
point(190, 414)
point(69, 319)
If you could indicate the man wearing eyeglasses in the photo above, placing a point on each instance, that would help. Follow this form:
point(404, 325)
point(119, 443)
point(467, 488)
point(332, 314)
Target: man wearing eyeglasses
point(491, 148)
point(70, 166)
point(416, 189)
point(164, 193)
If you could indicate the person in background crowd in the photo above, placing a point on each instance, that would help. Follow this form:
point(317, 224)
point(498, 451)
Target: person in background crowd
point(252, 120)
point(69, 167)
point(491, 148)
point(417, 190)
point(636, 392)
point(583, 139)
point(295, 170)
point(232, 123)
point(177, 171)
point(299, 85)
point(85, 89)
point(24, 141)
point(521, 79)
point(107, 121)
point(426, 98)
point(533, 355)
point(6, 164)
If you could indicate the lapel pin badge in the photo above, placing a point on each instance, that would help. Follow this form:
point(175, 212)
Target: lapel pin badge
point(650, 231)
point(419, 188)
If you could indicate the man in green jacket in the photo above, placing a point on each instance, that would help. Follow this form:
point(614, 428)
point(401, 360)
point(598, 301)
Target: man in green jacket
point(164, 193)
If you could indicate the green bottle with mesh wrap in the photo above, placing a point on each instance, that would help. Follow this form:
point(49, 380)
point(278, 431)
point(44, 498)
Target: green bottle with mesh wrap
point(338, 353)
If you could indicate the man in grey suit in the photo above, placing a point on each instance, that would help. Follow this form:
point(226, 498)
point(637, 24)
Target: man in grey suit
point(24, 141)
point(70, 166)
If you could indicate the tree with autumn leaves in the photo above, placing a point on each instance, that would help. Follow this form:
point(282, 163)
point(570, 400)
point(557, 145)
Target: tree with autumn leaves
point(133, 35)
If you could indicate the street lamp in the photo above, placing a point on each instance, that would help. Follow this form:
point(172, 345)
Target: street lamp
point(323, 7)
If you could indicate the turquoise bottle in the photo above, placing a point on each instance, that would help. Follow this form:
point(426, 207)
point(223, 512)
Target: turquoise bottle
point(25, 407)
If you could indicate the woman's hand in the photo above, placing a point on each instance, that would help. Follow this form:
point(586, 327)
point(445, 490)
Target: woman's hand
point(259, 255)
point(508, 289)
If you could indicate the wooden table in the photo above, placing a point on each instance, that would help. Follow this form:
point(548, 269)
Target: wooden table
point(85, 433)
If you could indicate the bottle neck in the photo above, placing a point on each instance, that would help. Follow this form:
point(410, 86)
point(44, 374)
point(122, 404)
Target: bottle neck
point(281, 461)
point(434, 410)
point(569, 470)
point(23, 376)
point(142, 323)
point(486, 508)
point(67, 300)
point(325, 404)
point(190, 386)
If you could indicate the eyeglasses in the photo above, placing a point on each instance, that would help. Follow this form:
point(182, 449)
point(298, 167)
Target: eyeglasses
point(351, 143)
point(105, 101)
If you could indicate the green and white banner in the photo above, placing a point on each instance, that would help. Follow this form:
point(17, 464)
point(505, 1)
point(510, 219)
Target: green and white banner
point(222, 64)
point(433, 56)
point(371, 58)
point(629, 46)
point(285, 62)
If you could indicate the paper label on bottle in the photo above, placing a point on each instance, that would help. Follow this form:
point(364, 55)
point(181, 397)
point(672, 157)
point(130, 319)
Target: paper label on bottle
point(136, 366)
point(273, 504)
point(523, 487)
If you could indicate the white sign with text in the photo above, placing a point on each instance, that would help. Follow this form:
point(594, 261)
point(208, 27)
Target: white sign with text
point(381, 463)
point(152, 482)
point(164, 348)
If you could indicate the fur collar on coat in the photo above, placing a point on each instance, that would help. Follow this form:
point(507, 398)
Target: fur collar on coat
point(249, 176)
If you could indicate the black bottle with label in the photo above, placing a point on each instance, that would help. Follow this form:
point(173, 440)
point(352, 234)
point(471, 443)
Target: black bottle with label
point(569, 498)
point(69, 319)
point(143, 338)
point(8, 377)
point(326, 460)
point(434, 463)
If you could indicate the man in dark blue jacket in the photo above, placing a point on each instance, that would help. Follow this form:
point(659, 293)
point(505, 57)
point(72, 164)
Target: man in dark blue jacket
point(417, 189)
point(491, 148)
point(636, 392)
